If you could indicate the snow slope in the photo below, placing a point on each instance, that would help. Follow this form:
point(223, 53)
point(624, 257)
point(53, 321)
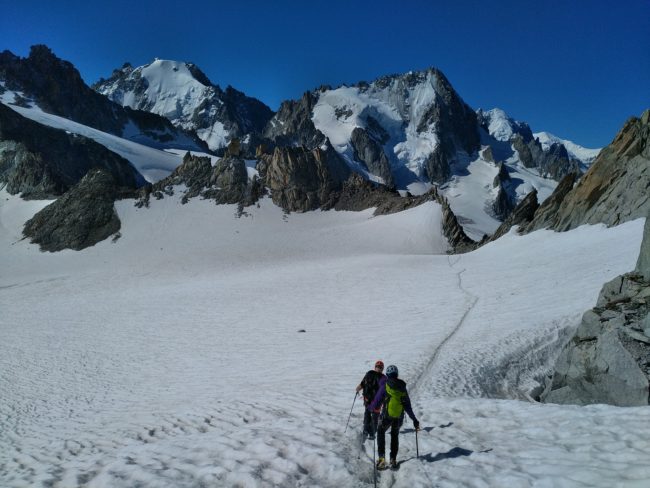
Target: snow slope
point(174, 357)
point(500, 125)
point(154, 164)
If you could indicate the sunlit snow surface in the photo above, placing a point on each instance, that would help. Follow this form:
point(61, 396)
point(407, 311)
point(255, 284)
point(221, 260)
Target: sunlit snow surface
point(173, 356)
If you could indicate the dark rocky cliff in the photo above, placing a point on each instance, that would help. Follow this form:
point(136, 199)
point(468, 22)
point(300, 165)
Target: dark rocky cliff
point(42, 162)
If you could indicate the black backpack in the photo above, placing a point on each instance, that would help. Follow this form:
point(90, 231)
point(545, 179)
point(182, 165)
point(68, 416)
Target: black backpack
point(371, 385)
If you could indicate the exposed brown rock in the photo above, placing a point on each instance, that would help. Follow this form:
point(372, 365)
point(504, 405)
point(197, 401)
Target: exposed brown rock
point(616, 188)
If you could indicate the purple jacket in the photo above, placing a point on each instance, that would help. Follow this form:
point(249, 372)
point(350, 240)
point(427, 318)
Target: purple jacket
point(380, 397)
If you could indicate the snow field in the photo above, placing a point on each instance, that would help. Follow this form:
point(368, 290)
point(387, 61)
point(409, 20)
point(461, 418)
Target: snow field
point(172, 356)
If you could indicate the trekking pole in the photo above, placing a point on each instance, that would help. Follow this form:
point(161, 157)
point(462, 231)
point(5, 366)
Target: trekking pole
point(374, 461)
point(356, 394)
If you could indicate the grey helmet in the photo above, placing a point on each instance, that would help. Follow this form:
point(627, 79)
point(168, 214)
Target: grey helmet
point(391, 371)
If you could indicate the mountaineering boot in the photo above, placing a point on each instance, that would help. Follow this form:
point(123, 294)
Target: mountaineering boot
point(393, 463)
point(381, 463)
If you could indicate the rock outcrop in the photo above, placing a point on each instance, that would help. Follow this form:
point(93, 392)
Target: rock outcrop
point(608, 358)
point(292, 124)
point(521, 216)
point(503, 204)
point(643, 263)
point(368, 151)
point(229, 181)
point(615, 189)
point(547, 211)
point(82, 217)
point(301, 179)
point(225, 183)
point(42, 162)
point(555, 163)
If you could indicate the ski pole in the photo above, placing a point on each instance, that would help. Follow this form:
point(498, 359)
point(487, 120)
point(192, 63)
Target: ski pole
point(356, 394)
point(417, 448)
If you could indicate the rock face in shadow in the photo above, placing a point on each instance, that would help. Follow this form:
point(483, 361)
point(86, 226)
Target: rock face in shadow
point(82, 217)
point(643, 263)
point(42, 162)
point(548, 209)
point(368, 151)
point(292, 124)
point(503, 204)
point(554, 163)
point(615, 189)
point(521, 215)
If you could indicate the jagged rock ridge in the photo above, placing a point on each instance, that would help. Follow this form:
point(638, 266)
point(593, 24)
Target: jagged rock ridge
point(615, 189)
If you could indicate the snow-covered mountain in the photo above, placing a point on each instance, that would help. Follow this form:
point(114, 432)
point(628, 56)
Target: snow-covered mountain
point(182, 93)
point(585, 155)
point(401, 127)
point(502, 127)
point(55, 86)
point(410, 131)
point(413, 131)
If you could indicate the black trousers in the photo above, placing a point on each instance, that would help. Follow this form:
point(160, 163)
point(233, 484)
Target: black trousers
point(370, 422)
point(386, 423)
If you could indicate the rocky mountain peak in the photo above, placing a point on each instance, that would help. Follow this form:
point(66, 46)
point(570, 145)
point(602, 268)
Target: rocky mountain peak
point(396, 129)
point(184, 94)
point(199, 75)
point(614, 189)
point(56, 87)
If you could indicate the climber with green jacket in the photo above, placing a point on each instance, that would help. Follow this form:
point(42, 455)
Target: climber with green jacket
point(393, 399)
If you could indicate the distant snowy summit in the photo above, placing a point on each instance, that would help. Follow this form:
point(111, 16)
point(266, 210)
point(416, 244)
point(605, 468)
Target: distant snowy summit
point(552, 156)
point(397, 129)
point(182, 93)
point(55, 86)
point(500, 126)
point(584, 154)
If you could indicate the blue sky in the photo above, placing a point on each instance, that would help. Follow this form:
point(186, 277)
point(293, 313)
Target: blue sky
point(577, 69)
